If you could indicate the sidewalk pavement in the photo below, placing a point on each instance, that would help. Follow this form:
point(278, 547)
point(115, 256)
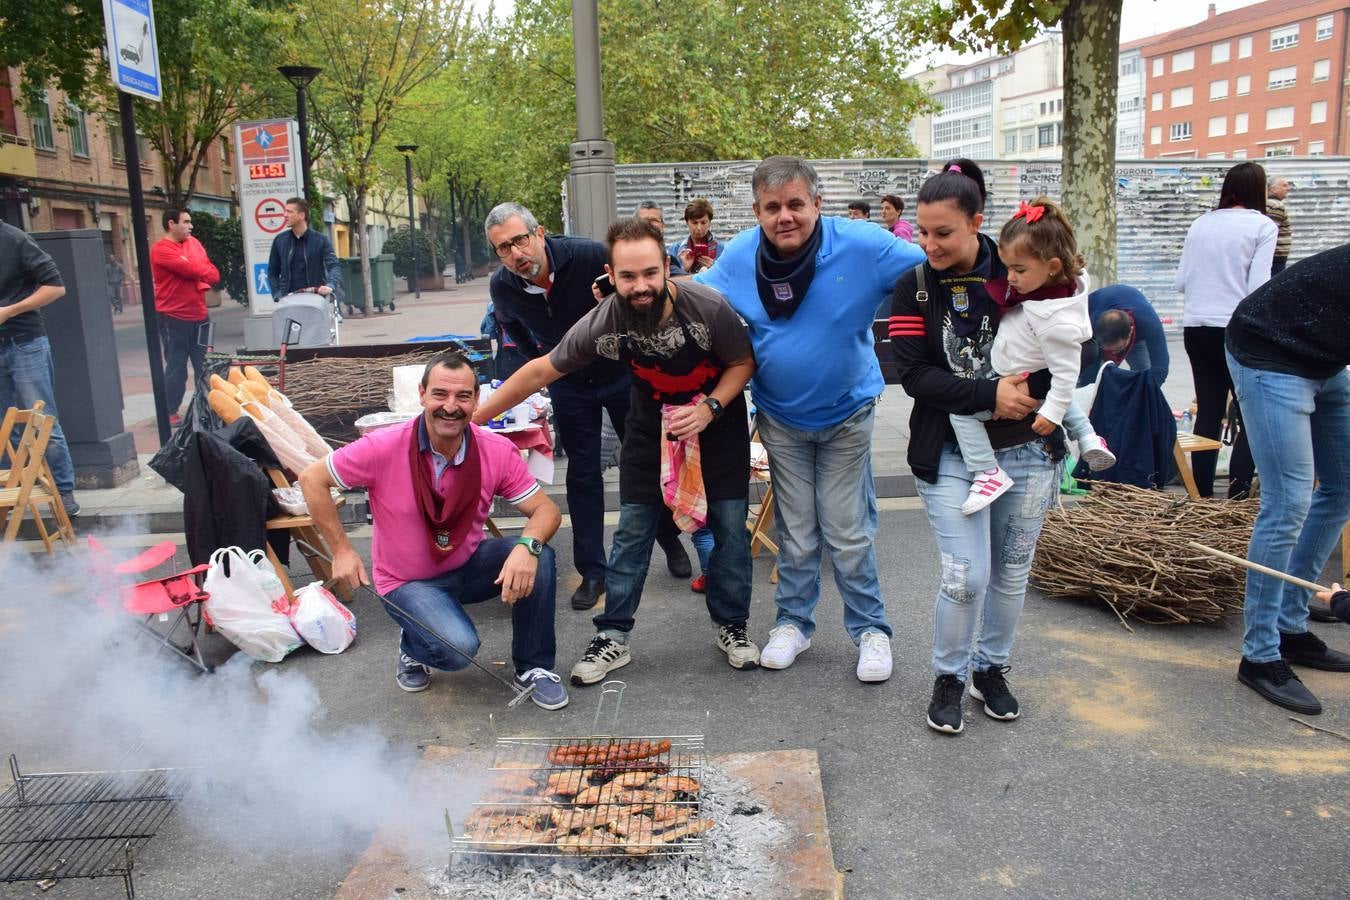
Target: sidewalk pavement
point(148, 503)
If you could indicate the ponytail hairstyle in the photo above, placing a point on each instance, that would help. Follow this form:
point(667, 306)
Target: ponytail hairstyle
point(961, 182)
point(1041, 229)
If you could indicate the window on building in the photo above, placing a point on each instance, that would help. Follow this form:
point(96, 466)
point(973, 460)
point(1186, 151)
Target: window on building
point(1244, 85)
point(1218, 126)
point(1155, 134)
point(1321, 70)
point(1182, 96)
point(1009, 114)
point(1244, 47)
point(115, 143)
point(1059, 105)
point(1317, 148)
point(1218, 90)
point(1286, 76)
point(1155, 100)
point(1218, 53)
point(1158, 64)
point(1240, 123)
point(1324, 28)
point(43, 136)
point(79, 130)
point(1183, 61)
point(1284, 38)
point(1042, 107)
point(1129, 66)
point(1280, 150)
point(1010, 142)
point(1280, 117)
point(1028, 111)
point(1317, 113)
point(1131, 104)
point(1045, 136)
point(224, 153)
point(1029, 140)
point(1219, 155)
point(1181, 131)
point(1005, 65)
point(1239, 154)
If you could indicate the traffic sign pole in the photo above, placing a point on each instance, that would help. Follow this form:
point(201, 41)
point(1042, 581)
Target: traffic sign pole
point(132, 152)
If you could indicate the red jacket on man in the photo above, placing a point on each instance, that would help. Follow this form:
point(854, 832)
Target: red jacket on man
point(182, 276)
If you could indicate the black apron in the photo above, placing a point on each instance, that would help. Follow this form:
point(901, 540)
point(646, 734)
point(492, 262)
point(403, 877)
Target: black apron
point(724, 446)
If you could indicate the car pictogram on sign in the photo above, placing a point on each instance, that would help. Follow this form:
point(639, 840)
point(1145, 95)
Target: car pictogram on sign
point(270, 215)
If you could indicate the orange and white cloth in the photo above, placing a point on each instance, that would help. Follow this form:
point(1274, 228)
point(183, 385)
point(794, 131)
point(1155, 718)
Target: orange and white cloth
point(682, 475)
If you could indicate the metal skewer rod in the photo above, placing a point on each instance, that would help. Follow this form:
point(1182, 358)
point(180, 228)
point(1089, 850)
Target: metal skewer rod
point(1257, 567)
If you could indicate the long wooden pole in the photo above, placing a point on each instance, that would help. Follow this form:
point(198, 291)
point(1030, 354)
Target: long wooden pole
point(1257, 567)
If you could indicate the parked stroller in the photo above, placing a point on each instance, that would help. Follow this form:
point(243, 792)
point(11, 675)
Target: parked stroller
point(306, 320)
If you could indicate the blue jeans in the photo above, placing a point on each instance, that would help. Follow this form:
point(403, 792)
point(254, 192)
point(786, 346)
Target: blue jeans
point(182, 342)
point(703, 546)
point(986, 557)
point(729, 570)
point(439, 603)
point(27, 376)
point(577, 410)
point(823, 492)
point(1299, 430)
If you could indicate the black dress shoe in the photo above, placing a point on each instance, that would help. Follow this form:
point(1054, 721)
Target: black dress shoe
point(1307, 649)
point(677, 559)
point(588, 593)
point(1320, 612)
point(1277, 683)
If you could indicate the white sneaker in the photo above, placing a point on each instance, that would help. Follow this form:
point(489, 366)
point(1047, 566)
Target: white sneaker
point(1095, 453)
point(785, 644)
point(987, 487)
point(874, 657)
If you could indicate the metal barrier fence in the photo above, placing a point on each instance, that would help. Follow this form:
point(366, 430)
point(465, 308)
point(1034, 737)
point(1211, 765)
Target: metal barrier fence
point(1156, 201)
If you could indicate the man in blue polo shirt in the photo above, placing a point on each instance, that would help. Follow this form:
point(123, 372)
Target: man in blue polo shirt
point(807, 288)
point(542, 289)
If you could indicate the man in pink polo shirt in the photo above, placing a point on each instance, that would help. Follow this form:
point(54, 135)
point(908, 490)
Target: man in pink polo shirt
point(431, 484)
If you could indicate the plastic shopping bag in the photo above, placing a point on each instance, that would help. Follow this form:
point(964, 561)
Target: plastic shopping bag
point(322, 620)
point(248, 605)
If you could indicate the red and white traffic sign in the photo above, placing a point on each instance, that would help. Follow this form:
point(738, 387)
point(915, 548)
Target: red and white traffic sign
point(270, 215)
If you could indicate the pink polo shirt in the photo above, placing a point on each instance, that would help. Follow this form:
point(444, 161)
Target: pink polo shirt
point(401, 546)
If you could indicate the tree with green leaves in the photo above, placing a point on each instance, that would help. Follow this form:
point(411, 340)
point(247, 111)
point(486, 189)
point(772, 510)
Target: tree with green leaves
point(1091, 48)
point(378, 52)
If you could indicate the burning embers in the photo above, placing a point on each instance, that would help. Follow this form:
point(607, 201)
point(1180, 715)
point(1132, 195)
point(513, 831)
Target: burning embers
point(599, 796)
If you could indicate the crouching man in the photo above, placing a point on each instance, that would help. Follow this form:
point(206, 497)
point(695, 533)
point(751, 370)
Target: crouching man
point(431, 484)
point(686, 444)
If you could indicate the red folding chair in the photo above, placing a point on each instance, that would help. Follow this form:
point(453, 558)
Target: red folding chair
point(176, 599)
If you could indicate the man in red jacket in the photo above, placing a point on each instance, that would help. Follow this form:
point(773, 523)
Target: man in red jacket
point(182, 276)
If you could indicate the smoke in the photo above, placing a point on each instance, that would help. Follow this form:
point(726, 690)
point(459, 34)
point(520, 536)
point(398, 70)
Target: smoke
point(82, 685)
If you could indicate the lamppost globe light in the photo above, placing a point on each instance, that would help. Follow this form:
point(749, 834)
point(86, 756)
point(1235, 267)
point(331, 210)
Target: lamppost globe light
point(299, 76)
point(406, 148)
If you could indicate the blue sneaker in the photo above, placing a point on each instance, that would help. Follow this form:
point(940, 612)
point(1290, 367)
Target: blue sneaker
point(411, 675)
point(548, 690)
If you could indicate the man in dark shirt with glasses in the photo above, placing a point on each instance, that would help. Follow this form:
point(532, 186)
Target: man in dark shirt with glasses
point(542, 289)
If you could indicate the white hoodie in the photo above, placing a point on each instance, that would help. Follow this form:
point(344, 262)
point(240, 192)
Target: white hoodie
point(1046, 334)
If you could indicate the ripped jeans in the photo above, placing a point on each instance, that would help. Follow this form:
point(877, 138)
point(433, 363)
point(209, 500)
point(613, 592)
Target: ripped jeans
point(986, 557)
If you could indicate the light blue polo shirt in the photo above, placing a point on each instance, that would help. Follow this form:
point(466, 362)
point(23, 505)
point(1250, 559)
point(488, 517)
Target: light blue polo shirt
point(818, 367)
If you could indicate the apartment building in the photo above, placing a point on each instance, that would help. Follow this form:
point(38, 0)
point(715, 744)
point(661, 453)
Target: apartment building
point(1130, 102)
point(1260, 81)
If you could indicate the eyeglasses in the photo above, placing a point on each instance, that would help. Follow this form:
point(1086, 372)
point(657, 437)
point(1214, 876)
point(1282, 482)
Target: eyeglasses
point(519, 242)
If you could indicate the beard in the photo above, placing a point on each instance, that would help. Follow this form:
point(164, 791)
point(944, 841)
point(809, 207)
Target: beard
point(643, 321)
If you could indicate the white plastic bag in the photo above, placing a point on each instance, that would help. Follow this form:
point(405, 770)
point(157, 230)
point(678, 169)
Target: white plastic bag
point(247, 604)
point(322, 620)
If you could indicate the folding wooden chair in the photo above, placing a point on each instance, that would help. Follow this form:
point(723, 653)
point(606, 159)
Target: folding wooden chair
point(308, 540)
point(27, 484)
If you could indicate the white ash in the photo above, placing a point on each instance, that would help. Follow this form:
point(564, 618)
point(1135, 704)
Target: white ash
point(737, 861)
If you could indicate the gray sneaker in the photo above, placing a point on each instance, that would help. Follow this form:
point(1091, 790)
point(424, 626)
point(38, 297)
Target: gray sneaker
point(601, 657)
point(736, 644)
point(411, 675)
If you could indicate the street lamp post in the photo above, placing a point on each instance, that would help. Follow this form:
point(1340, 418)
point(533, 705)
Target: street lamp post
point(301, 76)
point(414, 283)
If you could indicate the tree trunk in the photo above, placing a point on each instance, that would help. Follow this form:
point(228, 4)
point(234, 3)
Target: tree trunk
point(360, 225)
point(1091, 51)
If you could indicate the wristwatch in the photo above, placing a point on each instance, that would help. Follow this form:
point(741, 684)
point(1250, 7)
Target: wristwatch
point(716, 406)
point(534, 545)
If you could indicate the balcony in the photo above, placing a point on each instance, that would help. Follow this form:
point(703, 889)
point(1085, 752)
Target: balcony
point(16, 156)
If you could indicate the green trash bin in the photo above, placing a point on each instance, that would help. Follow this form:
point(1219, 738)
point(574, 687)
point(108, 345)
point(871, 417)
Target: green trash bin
point(381, 281)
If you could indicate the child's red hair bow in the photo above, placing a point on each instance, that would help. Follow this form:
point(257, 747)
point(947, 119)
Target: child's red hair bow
point(1028, 212)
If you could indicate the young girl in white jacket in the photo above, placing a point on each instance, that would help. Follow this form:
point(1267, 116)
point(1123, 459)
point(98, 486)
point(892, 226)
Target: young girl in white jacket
point(1044, 324)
